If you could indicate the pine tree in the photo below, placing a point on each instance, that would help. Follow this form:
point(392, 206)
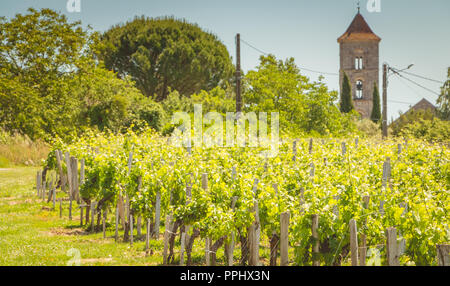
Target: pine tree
point(376, 109)
point(346, 96)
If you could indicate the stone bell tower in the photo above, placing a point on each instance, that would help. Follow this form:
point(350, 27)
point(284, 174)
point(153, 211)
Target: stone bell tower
point(359, 59)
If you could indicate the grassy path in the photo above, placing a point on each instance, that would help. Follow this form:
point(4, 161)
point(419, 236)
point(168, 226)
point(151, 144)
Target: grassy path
point(32, 233)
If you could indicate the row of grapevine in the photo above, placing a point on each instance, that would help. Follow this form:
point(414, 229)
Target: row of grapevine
point(235, 196)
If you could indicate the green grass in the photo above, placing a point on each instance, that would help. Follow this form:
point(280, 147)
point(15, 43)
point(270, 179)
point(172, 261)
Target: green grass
point(32, 233)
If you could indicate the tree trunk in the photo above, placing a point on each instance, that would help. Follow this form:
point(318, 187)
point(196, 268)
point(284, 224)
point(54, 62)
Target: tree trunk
point(174, 230)
point(99, 219)
point(190, 244)
point(126, 232)
point(214, 249)
point(274, 245)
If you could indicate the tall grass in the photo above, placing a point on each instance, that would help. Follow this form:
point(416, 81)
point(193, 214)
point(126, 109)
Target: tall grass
point(19, 150)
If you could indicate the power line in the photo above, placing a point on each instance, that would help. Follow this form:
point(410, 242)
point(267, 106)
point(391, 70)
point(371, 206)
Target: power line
point(413, 82)
point(302, 68)
point(327, 73)
point(422, 77)
point(255, 48)
point(413, 90)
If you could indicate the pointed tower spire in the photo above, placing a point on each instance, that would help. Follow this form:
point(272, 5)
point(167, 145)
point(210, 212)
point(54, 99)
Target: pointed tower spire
point(359, 30)
point(359, 7)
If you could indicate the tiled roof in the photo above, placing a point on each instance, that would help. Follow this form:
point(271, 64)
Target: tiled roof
point(359, 30)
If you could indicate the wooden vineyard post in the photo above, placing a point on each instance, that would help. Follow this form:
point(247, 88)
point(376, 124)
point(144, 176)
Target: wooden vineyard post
point(139, 226)
point(116, 234)
point(207, 251)
point(131, 229)
point(386, 172)
point(325, 161)
point(50, 191)
point(168, 227)
point(182, 246)
point(356, 143)
point(157, 215)
point(362, 251)
point(126, 214)
point(255, 230)
point(139, 219)
point(147, 235)
point(121, 209)
point(284, 239)
point(399, 149)
point(230, 247)
point(344, 148)
point(60, 208)
point(63, 176)
point(69, 172)
point(60, 170)
point(82, 162)
point(92, 216)
point(310, 146)
point(54, 197)
point(70, 207)
point(315, 236)
point(184, 234)
point(294, 150)
point(74, 178)
point(104, 223)
point(353, 242)
point(443, 255)
point(391, 247)
point(38, 182)
point(81, 214)
point(44, 186)
point(312, 170)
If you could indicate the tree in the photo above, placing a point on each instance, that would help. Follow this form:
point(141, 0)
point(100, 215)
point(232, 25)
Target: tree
point(409, 118)
point(50, 84)
point(165, 53)
point(444, 100)
point(304, 106)
point(38, 52)
point(376, 108)
point(346, 103)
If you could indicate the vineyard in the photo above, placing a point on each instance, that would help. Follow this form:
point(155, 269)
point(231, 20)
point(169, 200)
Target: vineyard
point(319, 202)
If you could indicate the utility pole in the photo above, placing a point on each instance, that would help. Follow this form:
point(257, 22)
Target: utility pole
point(384, 121)
point(238, 74)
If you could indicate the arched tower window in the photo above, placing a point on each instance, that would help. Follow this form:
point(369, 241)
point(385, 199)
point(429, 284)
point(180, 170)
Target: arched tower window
point(359, 89)
point(358, 63)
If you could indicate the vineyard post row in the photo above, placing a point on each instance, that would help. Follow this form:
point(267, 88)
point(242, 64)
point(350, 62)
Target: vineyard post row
point(358, 253)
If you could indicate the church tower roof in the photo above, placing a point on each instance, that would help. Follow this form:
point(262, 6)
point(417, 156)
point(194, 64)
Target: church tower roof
point(359, 30)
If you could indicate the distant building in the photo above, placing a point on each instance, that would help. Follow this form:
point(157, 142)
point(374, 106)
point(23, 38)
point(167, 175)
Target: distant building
point(359, 59)
point(421, 105)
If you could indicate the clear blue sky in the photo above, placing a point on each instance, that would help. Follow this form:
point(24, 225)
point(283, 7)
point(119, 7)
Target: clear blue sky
point(412, 31)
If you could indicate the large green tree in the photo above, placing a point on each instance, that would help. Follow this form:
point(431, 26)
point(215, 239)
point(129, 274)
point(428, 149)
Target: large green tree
point(50, 85)
point(165, 53)
point(304, 106)
point(38, 51)
point(346, 103)
point(376, 108)
point(444, 99)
